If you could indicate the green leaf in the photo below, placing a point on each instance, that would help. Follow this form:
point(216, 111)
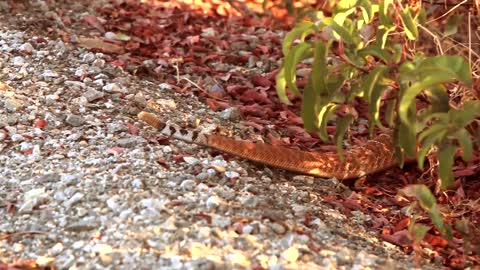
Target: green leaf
point(384, 15)
point(323, 117)
point(431, 76)
point(390, 112)
point(371, 80)
point(281, 87)
point(343, 123)
point(409, 24)
point(451, 26)
point(319, 72)
point(439, 100)
point(374, 106)
point(368, 10)
point(422, 194)
point(341, 31)
point(467, 113)
point(428, 203)
point(302, 29)
point(308, 108)
point(376, 51)
point(418, 231)
point(340, 17)
point(297, 54)
point(345, 4)
point(446, 155)
point(435, 134)
point(465, 143)
point(453, 67)
point(407, 140)
point(397, 56)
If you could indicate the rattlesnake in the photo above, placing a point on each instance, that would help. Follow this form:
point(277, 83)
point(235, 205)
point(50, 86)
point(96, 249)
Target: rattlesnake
point(374, 156)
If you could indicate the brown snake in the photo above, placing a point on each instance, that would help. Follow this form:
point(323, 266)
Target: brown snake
point(373, 156)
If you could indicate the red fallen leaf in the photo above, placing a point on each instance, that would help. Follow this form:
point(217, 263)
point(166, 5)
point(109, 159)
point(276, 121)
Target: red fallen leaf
point(264, 49)
point(133, 129)
point(308, 219)
point(193, 39)
point(118, 63)
point(371, 191)
point(399, 238)
point(261, 81)
point(217, 105)
point(95, 43)
point(11, 208)
point(40, 40)
point(162, 163)
point(402, 224)
point(210, 57)
point(436, 241)
point(238, 227)
point(95, 22)
point(28, 151)
point(353, 204)
point(313, 247)
point(253, 124)
point(40, 123)
point(204, 216)
point(257, 266)
point(115, 151)
point(464, 172)
point(379, 222)
point(178, 158)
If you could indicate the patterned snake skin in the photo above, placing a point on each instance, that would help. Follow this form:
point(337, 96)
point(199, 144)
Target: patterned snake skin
point(374, 156)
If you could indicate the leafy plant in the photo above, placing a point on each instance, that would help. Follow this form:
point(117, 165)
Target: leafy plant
point(369, 44)
point(363, 51)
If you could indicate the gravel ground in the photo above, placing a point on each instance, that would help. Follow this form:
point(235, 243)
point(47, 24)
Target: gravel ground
point(85, 185)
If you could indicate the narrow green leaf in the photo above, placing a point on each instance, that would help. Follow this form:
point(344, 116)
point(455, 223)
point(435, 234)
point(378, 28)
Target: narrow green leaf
point(341, 31)
point(297, 54)
point(376, 51)
point(407, 140)
point(343, 123)
point(374, 106)
point(428, 203)
point(453, 67)
point(451, 26)
point(432, 130)
point(397, 56)
point(422, 194)
point(409, 95)
point(323, 118)
point(281, 87)
point(309, 103)
point(319, 72)
point(409, 24)
point(303, 28)
point(368, 10)
point(418, 231)
point(371, 80)
point(446, 155)
point(467, 113)
point(390, 112)
point(428, 141)
point(439, 100)
point(465, 142)
point(384, 13)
